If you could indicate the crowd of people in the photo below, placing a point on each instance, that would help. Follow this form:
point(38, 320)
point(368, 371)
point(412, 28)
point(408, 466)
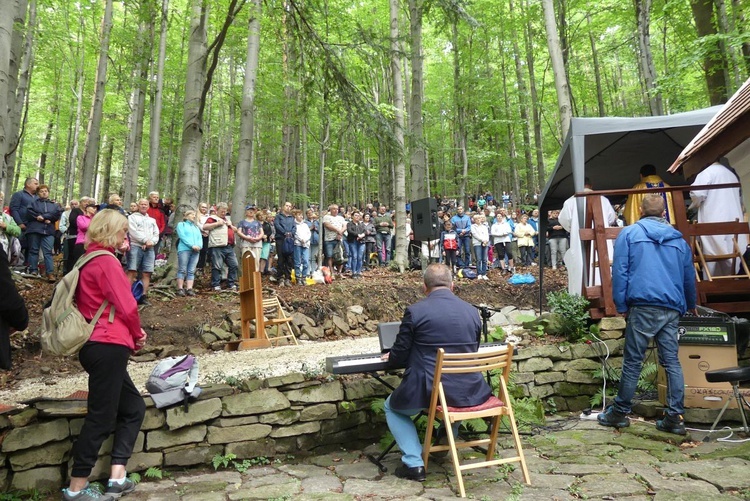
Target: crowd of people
point(285, 241)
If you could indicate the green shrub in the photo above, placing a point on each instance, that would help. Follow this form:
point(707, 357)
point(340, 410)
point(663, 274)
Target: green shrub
point(572, 310)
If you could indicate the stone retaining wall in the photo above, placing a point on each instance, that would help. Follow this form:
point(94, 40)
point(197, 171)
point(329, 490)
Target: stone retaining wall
point(562, 376)
point(275, 416)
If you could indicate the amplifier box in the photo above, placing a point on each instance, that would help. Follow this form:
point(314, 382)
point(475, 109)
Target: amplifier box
point(706, 331)
point(706, 343)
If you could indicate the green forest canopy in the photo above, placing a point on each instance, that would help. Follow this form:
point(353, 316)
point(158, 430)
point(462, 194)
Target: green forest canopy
point(330, 59)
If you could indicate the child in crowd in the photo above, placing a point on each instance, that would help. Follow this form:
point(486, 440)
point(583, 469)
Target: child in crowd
point(449, 245)
point(302, 237)
point(525, 234)
point(265, 254)
point(250, 232)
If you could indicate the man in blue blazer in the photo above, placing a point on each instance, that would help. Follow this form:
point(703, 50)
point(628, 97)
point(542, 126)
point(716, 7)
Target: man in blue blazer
point(441, 320)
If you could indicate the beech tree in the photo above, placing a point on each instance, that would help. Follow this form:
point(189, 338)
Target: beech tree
point(91, 150)
point(484, 98)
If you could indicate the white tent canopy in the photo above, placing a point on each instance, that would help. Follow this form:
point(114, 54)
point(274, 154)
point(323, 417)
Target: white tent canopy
point(611, 150)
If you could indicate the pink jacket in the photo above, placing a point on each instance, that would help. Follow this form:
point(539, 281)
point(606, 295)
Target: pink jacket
point(103, 278)
point(83, 221)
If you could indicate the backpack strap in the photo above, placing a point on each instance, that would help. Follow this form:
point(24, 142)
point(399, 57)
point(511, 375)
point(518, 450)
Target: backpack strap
point(82, 261)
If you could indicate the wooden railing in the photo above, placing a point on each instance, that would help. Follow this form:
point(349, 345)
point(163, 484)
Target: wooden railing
point(730, 296)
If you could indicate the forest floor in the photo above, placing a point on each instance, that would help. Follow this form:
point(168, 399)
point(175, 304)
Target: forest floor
point(179, 321)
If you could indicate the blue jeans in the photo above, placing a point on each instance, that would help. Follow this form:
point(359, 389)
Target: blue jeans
point(187, 260)
point(383, 246)
point(405, 433)
point(644, 323)
point(35, 241)
point(301, 262)
point(220, 255)
point(464, 244)
point(481, 251)
point(356, 253)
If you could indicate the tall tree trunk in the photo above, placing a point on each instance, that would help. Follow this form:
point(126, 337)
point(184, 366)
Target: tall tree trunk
point(288, 112)
point(192, 133)
point(42, 165)
point(597, 70)
point(398, 107)
point(132, 162)
point(24, 77)
point(6, 82)
point(247, 114)
point(535, 101)
point(512, 151)
point(155, 136)
point(461, 157)
point(741, 26)
point(198, 83)
point(229, 144)
point(646, 58)
point(732, 58)
point(109, 149)
point(713, 61)
point(70, 172)
point(558, 68)
point(91, 150)
point(523, 108)
point(418, 161)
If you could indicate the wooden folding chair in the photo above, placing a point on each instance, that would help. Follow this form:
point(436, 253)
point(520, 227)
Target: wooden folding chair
point(276, 317)
point(495, 408)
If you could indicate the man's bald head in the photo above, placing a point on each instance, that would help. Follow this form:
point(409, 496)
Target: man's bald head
point(437, 275)
point(652, 205)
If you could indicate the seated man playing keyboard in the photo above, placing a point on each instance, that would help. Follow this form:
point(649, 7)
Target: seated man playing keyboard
point(441, 320)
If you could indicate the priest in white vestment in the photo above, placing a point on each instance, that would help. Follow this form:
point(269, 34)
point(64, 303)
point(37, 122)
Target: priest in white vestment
point(722, 205)
point(574, 256)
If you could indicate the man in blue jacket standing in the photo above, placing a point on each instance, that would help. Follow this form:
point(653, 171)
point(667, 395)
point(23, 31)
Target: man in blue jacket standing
point(462, 224)
point(441, 320)
point(285, 228)
point(653, 284)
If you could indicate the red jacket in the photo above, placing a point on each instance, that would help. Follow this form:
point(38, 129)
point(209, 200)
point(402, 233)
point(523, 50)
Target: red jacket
point(156, 212)
point(103, 278)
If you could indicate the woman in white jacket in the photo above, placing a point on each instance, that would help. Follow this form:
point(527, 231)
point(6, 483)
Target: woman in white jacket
point(501, 233)
point(480, 240)
point(525, 234)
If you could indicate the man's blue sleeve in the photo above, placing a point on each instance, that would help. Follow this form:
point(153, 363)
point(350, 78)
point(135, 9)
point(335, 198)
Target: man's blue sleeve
point(620, 272)
point(15, 207)
point(689, 279)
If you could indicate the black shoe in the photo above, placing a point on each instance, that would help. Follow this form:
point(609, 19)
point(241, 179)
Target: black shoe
point(415, 473)
point(144, 301)
point(611, 417)
point(671, 424)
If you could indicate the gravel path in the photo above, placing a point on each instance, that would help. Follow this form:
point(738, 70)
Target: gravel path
point(307, 357)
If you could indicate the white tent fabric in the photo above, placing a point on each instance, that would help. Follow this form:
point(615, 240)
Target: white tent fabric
point(611, 150)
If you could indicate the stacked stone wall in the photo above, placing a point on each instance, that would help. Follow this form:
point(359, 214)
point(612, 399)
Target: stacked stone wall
point(272, 417)
point(563, 376)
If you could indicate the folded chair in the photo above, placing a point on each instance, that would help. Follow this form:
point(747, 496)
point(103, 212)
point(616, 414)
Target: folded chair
point(277, 317)
point(494, 408)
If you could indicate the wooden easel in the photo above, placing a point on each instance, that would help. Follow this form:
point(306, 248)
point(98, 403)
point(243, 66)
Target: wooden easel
point(251, 308)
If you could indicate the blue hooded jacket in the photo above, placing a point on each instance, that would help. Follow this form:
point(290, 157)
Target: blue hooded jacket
point(652, 266)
